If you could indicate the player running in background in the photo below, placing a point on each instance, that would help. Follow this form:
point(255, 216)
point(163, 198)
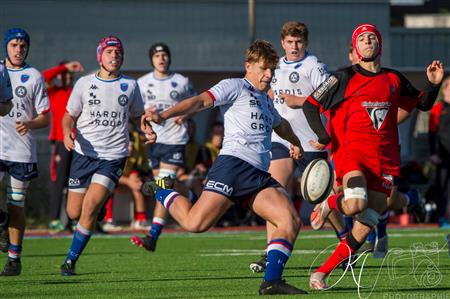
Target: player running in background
point(363, 100)
point(297, 75)
point(239, 174)
point(18, 157)
point(162, 89)
point(98, 111)
point(59, 80)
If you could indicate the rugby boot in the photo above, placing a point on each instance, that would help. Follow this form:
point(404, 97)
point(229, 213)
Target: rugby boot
point(147, 242)
point(279, 287)
point(317, 281)
point(259, 266)
point(319, 215)
point(68, 268)
point(381, 248)
point(12, 268)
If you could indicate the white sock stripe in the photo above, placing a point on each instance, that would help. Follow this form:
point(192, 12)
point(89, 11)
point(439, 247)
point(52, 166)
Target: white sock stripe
point(83, 230)
point(279, 247)
point(169, 198)
point(159, 221)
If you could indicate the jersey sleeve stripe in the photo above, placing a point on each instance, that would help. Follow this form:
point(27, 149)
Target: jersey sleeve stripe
point(211, 95)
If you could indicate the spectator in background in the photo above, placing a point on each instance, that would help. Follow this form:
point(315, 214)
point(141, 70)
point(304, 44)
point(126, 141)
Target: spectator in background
point(439, 137)
point(59, 83)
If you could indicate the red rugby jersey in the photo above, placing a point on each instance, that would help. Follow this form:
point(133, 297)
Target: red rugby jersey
point(363, 118)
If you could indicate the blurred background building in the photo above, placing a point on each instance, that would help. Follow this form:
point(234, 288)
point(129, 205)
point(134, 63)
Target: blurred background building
point(208, 39)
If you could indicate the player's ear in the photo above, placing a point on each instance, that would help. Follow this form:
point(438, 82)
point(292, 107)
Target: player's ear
point(247, 66)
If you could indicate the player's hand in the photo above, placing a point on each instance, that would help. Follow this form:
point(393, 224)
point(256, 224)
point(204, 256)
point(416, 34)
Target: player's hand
point(151, 114)
point(22, 128)
point(69, 142)
point(146, 127)
point(296, 152)
point(435, 72)
point(180, 120)
point(293, 101)
point(74, 66)
point(318, 146)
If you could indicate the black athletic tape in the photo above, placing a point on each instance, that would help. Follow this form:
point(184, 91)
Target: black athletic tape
point(352, 243)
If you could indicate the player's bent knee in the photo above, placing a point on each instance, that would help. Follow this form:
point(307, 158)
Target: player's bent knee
point(73, 214)
point(368, 217)
point(196, 226)
point(355, 200)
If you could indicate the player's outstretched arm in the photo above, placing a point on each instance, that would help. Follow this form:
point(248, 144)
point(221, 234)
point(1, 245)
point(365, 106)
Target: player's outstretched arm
point(435, 74)
point(190, 106)
point(312, 115)
point(284, 130)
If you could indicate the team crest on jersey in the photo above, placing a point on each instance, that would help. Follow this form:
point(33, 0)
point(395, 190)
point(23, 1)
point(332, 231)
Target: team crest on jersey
point(174, 84)
point(123, 100)
point(124, 86)
point(24, 78)
point(274, 80)
point(294, 77)
point(21, 91)
point(174, 95)
point(377, 112)
point(324, 87)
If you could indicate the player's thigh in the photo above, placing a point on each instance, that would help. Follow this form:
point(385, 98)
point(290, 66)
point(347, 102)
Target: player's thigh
point(281, 170)
point(94, 198)
point(274, 206)
point(208, 209)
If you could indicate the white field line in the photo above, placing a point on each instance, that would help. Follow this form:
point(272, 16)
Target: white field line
point(242, 252)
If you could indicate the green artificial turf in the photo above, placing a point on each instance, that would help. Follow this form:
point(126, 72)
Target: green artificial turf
point(215, 265)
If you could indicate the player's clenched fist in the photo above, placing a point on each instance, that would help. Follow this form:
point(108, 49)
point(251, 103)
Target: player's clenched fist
point(146, 127)
point(296, 152)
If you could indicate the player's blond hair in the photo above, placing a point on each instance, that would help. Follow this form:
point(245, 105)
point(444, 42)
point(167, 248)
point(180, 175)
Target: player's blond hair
point(296, 29)
point(262, 50)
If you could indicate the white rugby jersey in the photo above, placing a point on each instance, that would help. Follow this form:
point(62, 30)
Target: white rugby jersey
point(298, 78)
point(249, 117)
point(165, 93)
point(5, 85)
point(30, 97)
point(103, 108)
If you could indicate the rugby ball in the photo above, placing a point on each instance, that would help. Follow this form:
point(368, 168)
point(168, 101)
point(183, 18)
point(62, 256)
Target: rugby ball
point(317, 181)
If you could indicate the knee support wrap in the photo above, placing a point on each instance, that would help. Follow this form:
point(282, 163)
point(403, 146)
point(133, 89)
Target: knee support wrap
point(164, 172)
point(368, 217)
point(16, 191)
point(356, 193)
